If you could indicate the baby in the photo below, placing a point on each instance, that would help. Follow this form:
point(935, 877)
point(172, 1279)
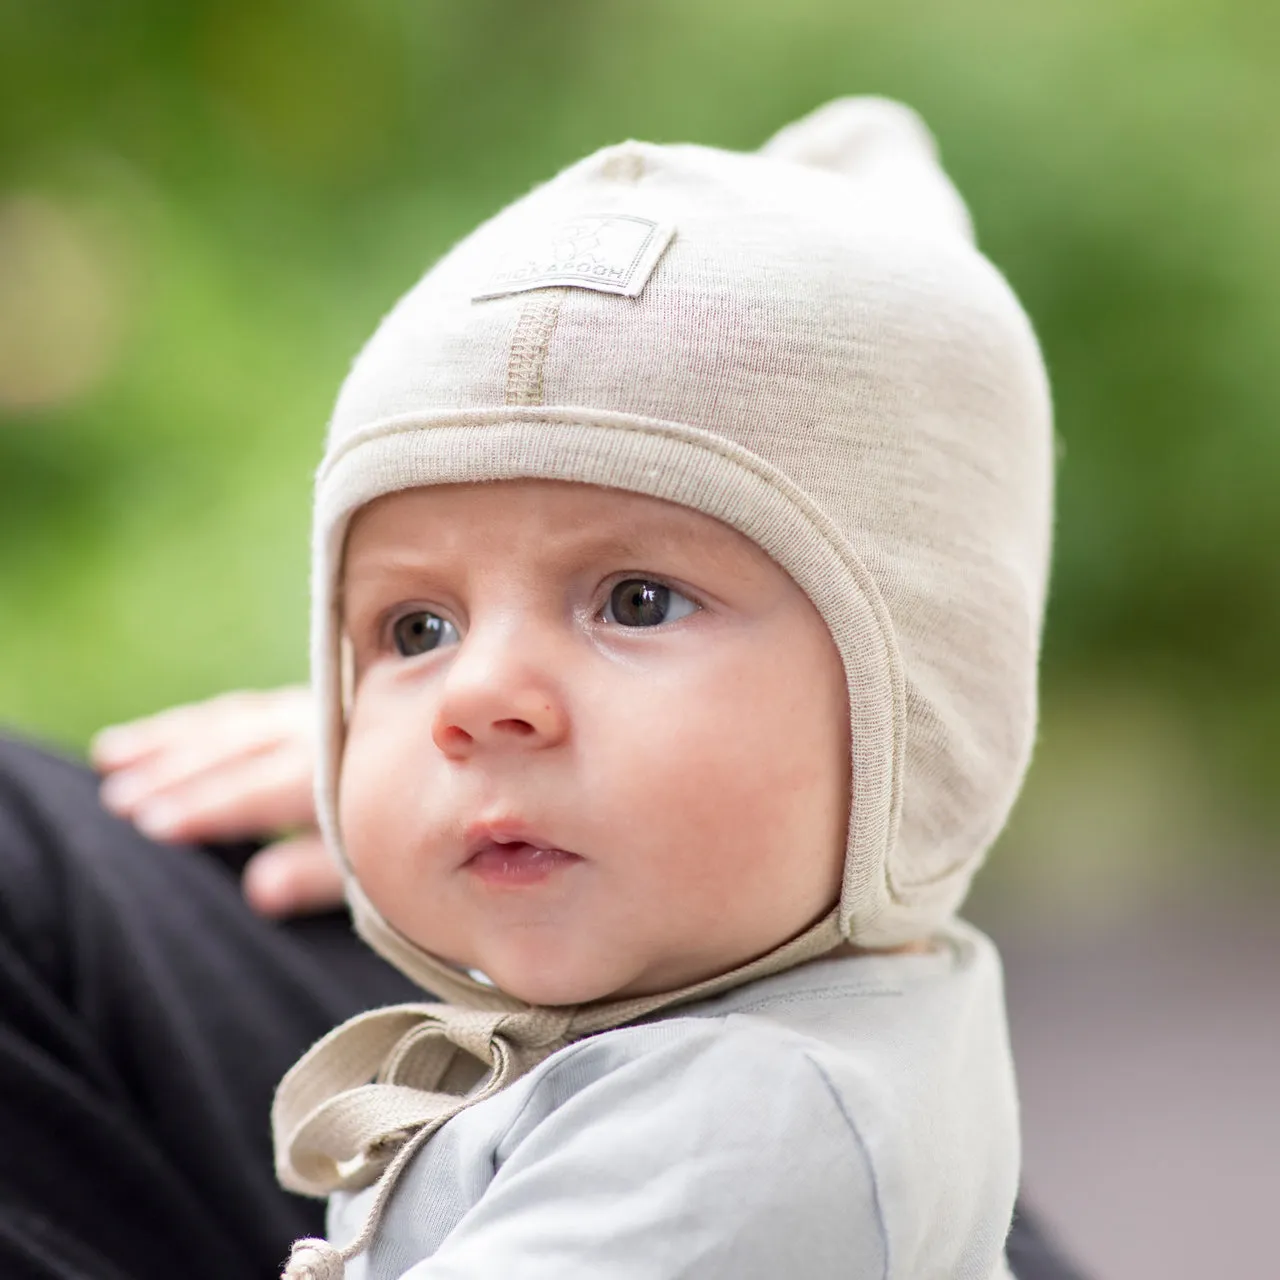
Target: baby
point(680, 559)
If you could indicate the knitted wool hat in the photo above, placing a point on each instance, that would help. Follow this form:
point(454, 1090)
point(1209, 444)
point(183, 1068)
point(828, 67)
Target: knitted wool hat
point(804, 344)
point(821, 359)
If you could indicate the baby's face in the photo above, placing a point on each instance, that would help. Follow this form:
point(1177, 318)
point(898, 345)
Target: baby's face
point(598, 744)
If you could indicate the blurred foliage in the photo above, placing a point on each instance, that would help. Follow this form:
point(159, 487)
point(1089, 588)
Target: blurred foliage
point(206, 206)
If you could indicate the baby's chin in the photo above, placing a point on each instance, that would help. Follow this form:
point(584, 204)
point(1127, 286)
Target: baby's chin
point(558, 966)
point(553, 986)
point(560, 984)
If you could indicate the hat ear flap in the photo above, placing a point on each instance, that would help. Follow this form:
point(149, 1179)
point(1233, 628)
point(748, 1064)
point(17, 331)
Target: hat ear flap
point(888, 151)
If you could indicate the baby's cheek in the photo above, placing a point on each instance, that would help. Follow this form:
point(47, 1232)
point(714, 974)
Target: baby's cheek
point(731, 797)
point(367, 784)
point(357, 811)
point(372, 839)
point(770, 798)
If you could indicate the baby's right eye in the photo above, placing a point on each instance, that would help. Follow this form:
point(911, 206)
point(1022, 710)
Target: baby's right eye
point(420, 632)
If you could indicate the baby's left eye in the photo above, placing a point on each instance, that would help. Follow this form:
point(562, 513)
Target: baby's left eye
point(641, 602)
point(420, 632)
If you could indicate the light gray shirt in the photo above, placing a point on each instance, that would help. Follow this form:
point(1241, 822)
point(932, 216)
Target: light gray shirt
point(852, 1118)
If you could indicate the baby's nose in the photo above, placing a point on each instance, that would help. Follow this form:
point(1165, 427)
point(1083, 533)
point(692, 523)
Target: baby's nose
point(498, 711)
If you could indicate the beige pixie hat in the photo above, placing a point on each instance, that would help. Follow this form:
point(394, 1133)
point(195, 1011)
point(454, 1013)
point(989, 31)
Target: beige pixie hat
point(805, 344)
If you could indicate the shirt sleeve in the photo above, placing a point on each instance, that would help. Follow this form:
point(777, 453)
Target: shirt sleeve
point(718, 1154)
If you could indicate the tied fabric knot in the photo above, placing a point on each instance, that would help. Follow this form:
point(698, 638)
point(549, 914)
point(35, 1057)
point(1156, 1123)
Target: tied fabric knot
point(364, 1100)
point(345, 1110)
point(358, 1106)
point(314, 1260)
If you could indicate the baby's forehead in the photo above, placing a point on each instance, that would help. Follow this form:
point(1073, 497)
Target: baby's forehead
point(534, 520)
point(562, 513)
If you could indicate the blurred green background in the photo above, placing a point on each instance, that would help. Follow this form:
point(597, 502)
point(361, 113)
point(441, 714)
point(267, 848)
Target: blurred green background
point(205, 207)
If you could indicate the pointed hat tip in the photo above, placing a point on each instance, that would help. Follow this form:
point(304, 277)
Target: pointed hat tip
point(885, 147)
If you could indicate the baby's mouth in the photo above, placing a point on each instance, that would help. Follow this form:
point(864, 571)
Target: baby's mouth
point(513, 861)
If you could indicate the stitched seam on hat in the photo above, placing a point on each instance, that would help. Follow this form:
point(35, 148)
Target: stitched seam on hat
point(703, 440)
point(529, 347)
point(693, 436)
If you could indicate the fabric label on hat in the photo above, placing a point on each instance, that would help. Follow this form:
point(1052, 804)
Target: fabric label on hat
point(608, 252)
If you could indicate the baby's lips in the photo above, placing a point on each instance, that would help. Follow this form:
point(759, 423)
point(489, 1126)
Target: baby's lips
point(516, 864)
point(494, 833)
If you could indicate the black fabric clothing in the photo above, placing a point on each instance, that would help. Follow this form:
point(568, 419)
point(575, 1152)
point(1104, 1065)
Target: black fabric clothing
point(146, 1016)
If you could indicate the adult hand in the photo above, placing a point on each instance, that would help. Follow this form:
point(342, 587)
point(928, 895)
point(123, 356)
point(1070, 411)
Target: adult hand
point(235, 767)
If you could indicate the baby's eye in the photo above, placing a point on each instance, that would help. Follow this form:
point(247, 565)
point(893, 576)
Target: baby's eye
point(639, 602)
point(420, 632)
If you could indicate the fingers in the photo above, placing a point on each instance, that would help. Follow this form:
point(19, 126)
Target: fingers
point(293, 877)
point(249, 796)
point(234, 766)
point(225, 724)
